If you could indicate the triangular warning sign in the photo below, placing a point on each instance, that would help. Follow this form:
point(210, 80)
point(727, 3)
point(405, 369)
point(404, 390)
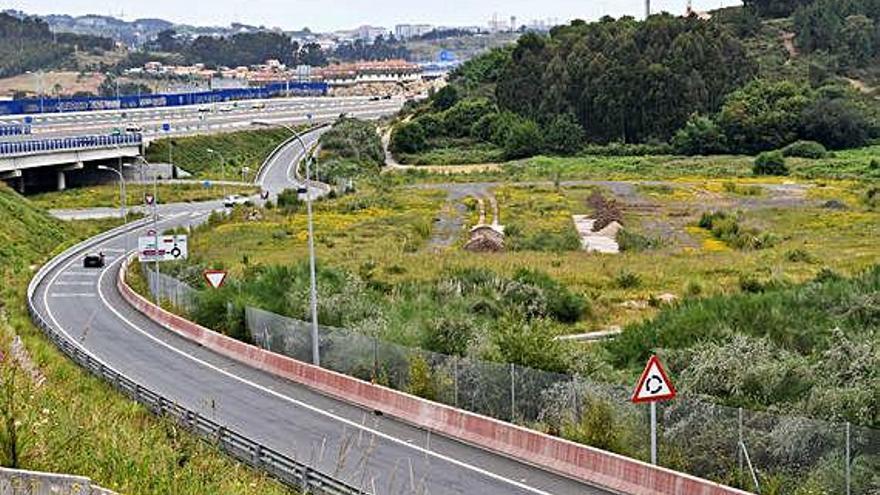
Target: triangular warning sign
point(215, 278)
point(654, 384)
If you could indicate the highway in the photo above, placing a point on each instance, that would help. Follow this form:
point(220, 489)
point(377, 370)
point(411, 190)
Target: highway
point(377, 453)
point(201, 119)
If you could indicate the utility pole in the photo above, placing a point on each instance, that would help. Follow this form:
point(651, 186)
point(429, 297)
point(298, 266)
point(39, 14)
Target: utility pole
point(647, 9)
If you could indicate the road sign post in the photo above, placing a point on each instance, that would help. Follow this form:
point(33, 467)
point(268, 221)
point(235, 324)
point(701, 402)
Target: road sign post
point(653, 386)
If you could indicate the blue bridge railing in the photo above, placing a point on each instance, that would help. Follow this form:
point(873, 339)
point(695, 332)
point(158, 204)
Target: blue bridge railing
point(15, 129)
point(37, 146)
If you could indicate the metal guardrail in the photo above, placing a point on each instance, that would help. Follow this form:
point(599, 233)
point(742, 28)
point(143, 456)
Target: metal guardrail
point(36, 146)
point(287, 470)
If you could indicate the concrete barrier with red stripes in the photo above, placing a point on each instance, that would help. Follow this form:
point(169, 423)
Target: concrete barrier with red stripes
point(588, 464)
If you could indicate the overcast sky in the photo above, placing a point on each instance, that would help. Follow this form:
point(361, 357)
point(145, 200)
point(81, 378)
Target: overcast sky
point(328, 15)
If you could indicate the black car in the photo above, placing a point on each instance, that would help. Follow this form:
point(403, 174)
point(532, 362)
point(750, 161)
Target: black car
point(94, 261)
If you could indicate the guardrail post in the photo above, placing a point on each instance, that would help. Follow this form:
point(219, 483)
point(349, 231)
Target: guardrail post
point(258, 453)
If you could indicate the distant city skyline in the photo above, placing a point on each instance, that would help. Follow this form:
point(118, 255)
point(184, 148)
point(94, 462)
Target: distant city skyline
point(320, 15)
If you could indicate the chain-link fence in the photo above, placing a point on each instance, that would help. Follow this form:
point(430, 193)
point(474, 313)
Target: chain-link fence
point(171, 291)
point(757, 451)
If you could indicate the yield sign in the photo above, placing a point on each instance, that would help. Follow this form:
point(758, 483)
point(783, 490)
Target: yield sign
point(654, 384)
point(149, 199)
point(215, 278)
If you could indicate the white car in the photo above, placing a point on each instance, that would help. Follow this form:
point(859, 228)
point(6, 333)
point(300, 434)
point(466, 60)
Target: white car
point(234, 200)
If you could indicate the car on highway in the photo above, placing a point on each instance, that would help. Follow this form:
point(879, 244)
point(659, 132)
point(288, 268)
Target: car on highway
point(94, 260)
point(234, 200)
point(258, 105)
point(204, 109)
point(136, 129)
point(227, 108)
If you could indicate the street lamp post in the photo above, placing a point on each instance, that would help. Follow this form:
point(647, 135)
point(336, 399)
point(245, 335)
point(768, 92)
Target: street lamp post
point(155, 227)
point(121, 188)
point(313, 287)
point(222, 169)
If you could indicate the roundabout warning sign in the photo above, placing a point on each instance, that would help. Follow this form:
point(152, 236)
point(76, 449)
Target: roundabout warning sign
point(654, 384)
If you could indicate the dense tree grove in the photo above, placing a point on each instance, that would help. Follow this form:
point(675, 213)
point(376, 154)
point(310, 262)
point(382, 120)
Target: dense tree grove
point(775, 8)
point(625, 80)
point(380, 49)
point(849, 29)
point(28, 44)
point(239, 49)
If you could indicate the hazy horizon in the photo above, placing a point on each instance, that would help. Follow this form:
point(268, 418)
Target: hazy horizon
point(327, 16)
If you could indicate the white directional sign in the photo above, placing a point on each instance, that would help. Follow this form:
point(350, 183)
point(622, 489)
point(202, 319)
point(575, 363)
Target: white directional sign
point(171, 248)
point(654, 384)
point(215, 278)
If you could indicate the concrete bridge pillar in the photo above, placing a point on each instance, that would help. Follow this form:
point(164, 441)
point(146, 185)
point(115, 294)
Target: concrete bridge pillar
point(62, 178)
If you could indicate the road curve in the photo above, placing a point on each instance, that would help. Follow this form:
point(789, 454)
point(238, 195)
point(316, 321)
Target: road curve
point(379, 454)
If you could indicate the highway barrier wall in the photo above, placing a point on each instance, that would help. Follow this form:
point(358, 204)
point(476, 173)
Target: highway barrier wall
point(590, 465)
point(83, 104)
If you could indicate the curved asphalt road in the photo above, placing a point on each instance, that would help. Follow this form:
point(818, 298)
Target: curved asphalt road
point(379, 454)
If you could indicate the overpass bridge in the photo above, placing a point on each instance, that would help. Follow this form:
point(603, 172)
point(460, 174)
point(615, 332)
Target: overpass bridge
point(38, 161)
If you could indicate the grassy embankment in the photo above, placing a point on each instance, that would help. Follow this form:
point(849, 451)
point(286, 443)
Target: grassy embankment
point(233, 151)
point(107, 195)
point(76, 423)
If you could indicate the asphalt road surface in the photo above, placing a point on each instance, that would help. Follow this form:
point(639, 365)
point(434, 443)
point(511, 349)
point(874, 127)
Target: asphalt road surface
point(377, 453)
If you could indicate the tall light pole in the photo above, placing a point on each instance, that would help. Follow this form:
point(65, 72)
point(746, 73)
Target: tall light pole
point(121, 189)
point(313, 287)
point(222, 169)
point(155, 226)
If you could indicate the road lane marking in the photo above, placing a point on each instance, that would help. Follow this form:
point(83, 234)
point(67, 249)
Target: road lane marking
point(71, 294)
point(311, 408)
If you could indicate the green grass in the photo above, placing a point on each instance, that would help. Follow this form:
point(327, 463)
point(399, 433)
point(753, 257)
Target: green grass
point(233, 151)
point(108, 195)
point(75, 423)
point(455, 153)
point(852, 164)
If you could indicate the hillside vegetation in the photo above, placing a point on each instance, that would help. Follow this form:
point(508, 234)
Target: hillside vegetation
point(28, 44)
point(231, 152)
point(67, 421)
point(668, 84)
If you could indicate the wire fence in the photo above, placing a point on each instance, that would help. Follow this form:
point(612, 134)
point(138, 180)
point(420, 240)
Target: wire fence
point(757, 451)
point(171, 290)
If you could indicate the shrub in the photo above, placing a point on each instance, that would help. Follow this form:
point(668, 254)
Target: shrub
point(626, 279)
point(799, 255)
point(420, 381)
point(632, 241)
point(445, 98)
point(457, 121)
point(564, 135)
point(523, 140)
point(805, 149)
point(770, 163)
point(288, 200)
point(450, 335)
point(562, 304)
point(408, 137)
point(700, 136)
point(693, 288)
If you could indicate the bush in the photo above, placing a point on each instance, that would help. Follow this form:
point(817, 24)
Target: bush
point(562, 304)
point(450, 335)
point(446, 98)
point(523, 140)
point(457, 121)
point(805, 149)
point(632, 241)
point(700, 136)
point(288, 200)
point(564, 135)
point(408, 137)
point(770, 163)
point(627, 280)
